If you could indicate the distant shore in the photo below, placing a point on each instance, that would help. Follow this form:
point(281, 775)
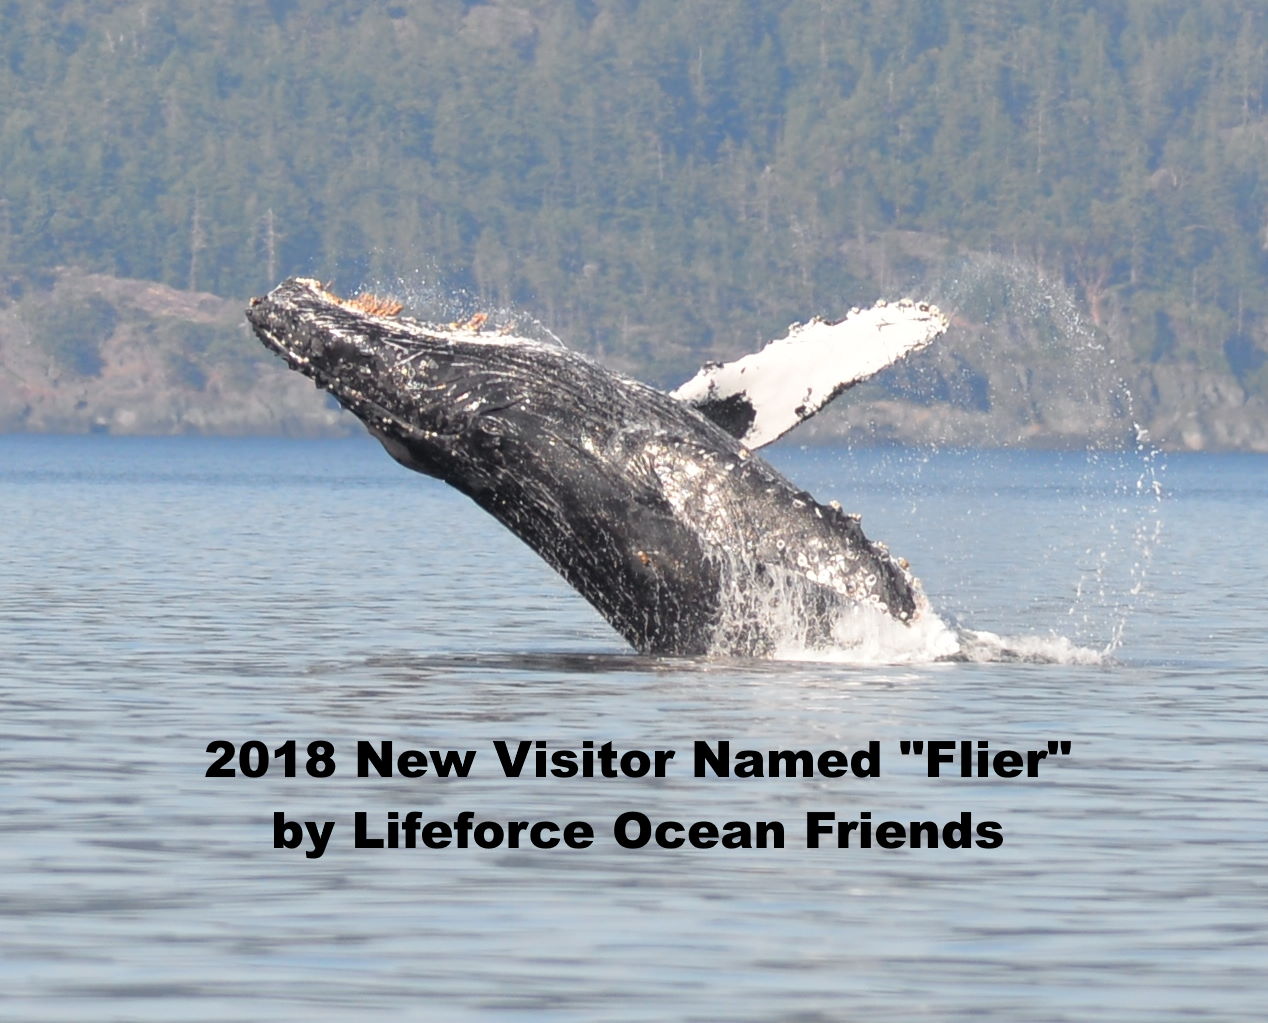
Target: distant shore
point(89, 353)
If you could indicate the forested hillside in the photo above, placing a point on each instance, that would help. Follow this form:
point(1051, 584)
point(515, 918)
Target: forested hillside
point(660, 181)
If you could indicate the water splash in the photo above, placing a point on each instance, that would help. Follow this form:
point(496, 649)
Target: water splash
point(784, 616)
point(864, 635)
point(980, 646)
point(1025, 348)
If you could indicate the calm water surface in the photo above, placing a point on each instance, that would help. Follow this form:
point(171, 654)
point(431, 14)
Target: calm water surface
point(158, 595)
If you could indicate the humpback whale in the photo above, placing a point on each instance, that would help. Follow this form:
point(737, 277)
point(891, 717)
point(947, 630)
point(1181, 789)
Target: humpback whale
point(652, 505)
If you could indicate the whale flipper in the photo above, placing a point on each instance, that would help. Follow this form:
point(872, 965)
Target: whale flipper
point(760, 397)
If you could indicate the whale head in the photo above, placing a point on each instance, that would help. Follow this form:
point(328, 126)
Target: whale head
point(425, 391)
point(349, 347)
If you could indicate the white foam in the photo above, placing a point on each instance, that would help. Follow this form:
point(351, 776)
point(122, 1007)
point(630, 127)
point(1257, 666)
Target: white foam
point(866, 635)
point(983, 646)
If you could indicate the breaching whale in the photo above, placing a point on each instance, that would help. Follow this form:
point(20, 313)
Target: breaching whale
point(650, 504)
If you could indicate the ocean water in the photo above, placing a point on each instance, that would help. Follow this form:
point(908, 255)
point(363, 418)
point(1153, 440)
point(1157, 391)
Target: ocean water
point(158, 596)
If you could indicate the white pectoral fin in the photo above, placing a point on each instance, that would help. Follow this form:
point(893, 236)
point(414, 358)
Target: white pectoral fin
point(762, 396)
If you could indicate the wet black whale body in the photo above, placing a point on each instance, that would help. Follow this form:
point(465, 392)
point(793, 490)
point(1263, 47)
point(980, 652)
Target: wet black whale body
point(667, 523)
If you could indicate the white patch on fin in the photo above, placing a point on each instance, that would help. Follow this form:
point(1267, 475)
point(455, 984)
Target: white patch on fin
point(762, 396)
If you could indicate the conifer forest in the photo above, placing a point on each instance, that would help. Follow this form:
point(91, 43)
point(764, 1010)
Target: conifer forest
point(657, 182)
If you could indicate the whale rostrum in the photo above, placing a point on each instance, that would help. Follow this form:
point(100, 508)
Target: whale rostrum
point(651, 505)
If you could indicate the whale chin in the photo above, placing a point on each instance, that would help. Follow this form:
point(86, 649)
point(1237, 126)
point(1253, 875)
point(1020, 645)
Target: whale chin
point(647, 503)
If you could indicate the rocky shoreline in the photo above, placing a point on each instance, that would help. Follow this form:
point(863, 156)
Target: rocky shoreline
point(90, 353)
